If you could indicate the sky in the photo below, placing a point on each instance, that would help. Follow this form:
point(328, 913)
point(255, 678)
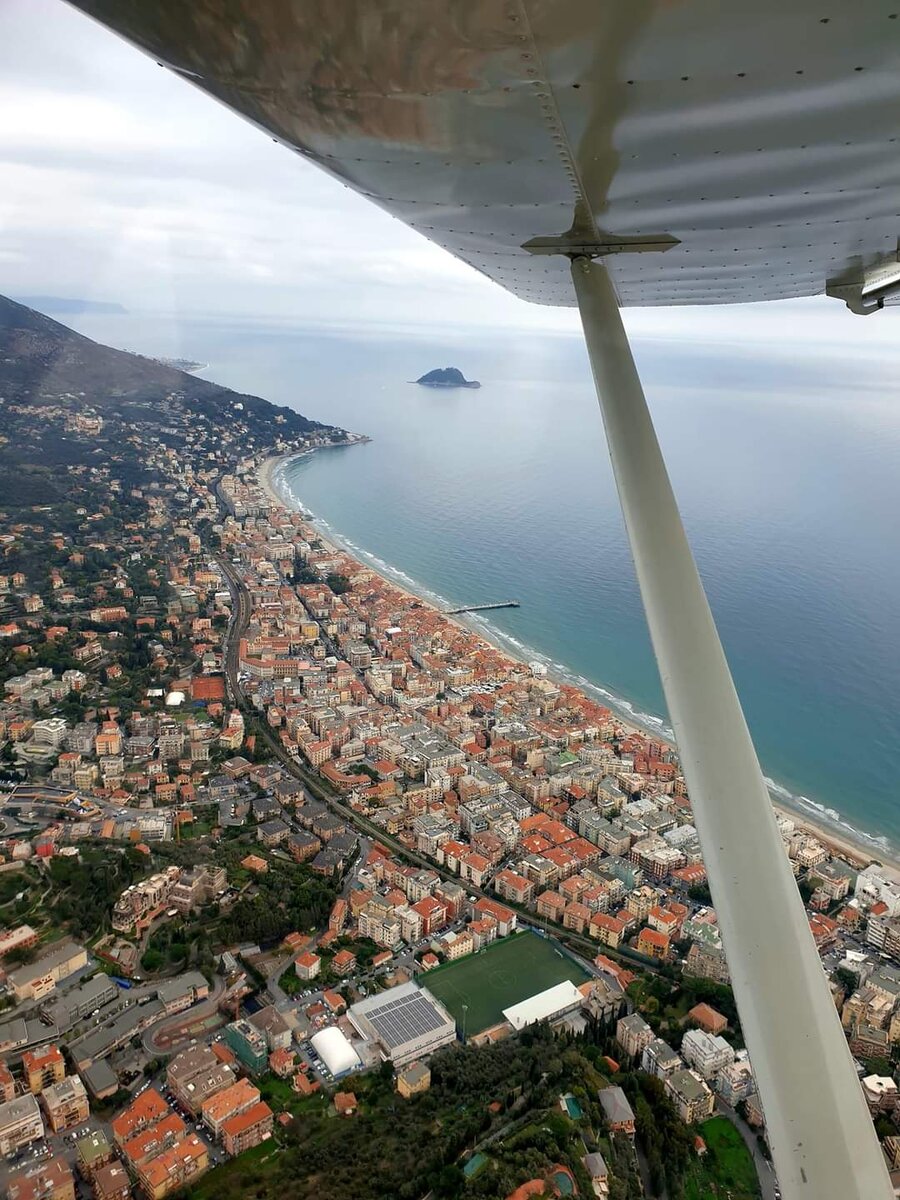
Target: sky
point(120, 182)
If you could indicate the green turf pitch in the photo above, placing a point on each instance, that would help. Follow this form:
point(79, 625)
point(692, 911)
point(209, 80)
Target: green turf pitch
point(510, 970)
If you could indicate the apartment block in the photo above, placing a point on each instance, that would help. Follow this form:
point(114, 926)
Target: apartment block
point(660, 1059)
point(150, 1143)
point(196, 1074)
point(66, 1104)
point(174, 1169)
point(52, 1180)
point(249, 1044)
point(248, 1129)
point(707, 1053)
point(307, 965)
point(20, 1124)
point(43, 1067)
point(633, 1034)
point(145, 1110)
point(140, 902)
point(92, 1152)
point(690, 1095)
point(230, 1102)
point(111, 1182)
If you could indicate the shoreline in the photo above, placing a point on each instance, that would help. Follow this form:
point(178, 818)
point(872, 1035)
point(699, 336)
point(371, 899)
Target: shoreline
point(857, 850)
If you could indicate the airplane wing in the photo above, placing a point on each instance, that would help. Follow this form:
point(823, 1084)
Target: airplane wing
point(761, 136)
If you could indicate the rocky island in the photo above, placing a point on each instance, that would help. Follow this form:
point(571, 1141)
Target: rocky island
point(447, 377)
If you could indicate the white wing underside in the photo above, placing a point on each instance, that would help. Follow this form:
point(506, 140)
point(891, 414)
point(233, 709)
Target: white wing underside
point(762, 136)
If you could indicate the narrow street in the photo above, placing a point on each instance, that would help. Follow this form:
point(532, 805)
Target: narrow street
point(767, 1182)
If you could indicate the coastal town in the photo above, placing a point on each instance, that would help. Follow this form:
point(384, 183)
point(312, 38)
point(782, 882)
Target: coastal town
point(295, 867)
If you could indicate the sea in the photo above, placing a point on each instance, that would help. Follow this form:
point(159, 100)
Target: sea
point(786, 469)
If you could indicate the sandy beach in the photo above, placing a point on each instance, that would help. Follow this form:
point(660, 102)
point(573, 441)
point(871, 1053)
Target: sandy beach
point(856, 851)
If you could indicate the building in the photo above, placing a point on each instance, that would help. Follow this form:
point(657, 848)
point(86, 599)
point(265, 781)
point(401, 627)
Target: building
point(229, 1103)
point(413, 1080)
point(307, 965)
point(111, 1182)
point(145, 1110)
point(335, 1051)
point(182, 991)
point(707, 1053)
point(272, 1025)
point(707, 962)
point(196, 1074)
point(81, 1000)
point(42, 1067)
point(66, 1104)
point(660, 1059)
point(653, 944)
point(174, 1169)
point(598, 1173)
point(344, 962)
point(153, 1141)
point(141, 902)
point(249, 1044)
point(881, 1093)
point(406, 1023)
point(707, 1018)
point(553, 1002)
point(690, 1095)
point(92, 1152)
point(7, 1083)
point(633, 1034)
point(20, 1124)
point(38, 979)
point(735, 1082)
point(52, 1180)
point(20, 938)
point(617, 1110)
point(606, 929)
point(247, 1129)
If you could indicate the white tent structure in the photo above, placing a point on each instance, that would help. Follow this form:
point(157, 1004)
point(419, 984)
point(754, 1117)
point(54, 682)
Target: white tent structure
point(335, 1051)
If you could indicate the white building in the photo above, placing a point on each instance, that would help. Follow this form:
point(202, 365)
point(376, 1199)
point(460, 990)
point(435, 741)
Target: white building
point(553, 1002)
point(335, 1051)
point(735, 1082)
point(708, 1054)
point(872, 886)
point(405, 1022)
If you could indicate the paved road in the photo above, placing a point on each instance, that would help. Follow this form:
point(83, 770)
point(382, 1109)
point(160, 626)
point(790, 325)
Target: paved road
point(764, 1170)
point(197, 1012)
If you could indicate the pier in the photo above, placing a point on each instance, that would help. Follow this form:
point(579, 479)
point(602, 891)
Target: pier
point(450, 612)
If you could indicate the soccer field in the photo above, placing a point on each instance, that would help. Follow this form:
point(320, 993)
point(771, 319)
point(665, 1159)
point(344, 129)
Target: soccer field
point(508, 971)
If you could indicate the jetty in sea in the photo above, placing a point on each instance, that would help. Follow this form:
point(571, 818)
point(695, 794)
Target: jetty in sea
point(449, 612)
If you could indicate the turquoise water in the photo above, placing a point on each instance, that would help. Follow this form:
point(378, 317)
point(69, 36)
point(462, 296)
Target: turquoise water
point(474, 1165)
point(563, 1181)
point(573, 1108)
point(786, 472)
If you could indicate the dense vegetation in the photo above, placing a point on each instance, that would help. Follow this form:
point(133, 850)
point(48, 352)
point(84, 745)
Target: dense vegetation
point(399, 1148)
point(84, 892)
point(288, 898)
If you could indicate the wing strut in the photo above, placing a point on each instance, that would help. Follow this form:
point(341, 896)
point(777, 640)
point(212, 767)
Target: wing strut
point(820, 1131)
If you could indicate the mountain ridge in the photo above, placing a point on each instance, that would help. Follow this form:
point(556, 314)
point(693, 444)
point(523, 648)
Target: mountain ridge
point(70, 403)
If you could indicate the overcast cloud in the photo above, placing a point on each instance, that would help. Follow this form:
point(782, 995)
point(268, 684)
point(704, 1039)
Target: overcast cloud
point(120, 182)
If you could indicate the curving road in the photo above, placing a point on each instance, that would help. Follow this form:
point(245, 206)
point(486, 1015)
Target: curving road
point(188, 1016)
